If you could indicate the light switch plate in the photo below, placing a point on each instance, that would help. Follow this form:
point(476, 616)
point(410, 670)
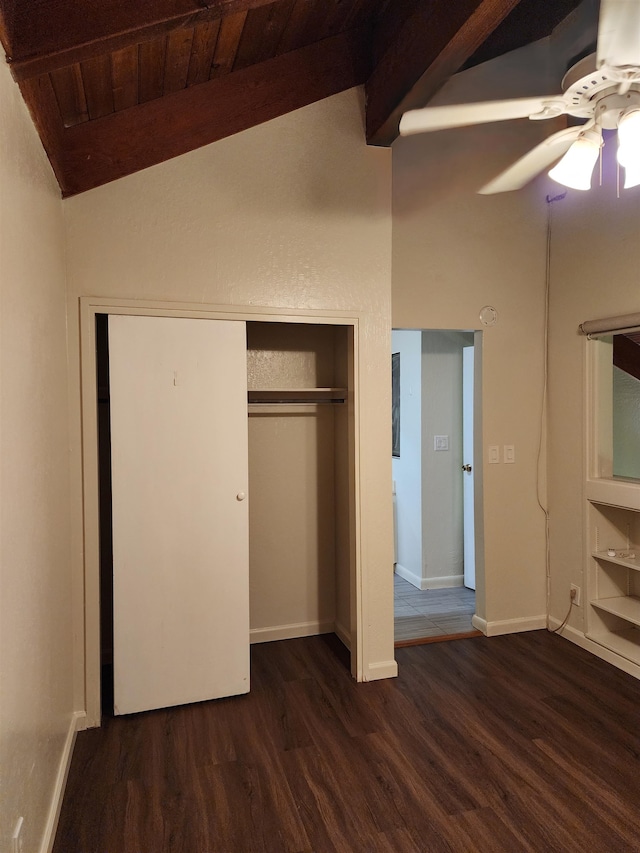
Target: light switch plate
point(440, 442)
point(509, 453)
point(494, 454)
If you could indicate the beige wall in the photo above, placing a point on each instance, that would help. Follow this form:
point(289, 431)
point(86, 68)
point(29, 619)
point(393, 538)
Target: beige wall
point(595, 263)
point(454, 252)
point(295, 213)
point(407, 468)
point(36, 693)
point(442, 483)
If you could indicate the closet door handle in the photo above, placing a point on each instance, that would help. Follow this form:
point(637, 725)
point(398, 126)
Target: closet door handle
point(240, 496)
point(467, 468)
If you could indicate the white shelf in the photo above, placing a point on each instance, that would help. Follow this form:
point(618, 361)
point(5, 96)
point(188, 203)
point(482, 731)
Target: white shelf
point(627, 562)
point(625, 643)
point(625, 606)
point(610, 492)
point(613, 582)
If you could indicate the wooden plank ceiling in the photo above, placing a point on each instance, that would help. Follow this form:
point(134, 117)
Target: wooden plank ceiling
point(115, 86)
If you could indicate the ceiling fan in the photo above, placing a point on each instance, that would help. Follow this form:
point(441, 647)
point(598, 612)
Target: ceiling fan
point(603, 88)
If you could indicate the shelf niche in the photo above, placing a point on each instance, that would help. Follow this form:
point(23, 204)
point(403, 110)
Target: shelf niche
point(614, 580)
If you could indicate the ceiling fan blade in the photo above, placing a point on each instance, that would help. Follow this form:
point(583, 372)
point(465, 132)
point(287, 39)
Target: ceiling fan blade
point(619, 33)
point(526, 168)
point(460, 115)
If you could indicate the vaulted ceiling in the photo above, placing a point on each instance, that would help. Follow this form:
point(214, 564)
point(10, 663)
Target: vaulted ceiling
point(115, 86)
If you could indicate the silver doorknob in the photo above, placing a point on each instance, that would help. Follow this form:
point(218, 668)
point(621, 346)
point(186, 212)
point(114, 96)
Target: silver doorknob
point(467, 468)
point(240, 496)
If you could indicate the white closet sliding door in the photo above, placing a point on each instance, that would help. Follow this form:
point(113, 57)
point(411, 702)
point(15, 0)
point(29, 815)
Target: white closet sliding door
point(178, 392)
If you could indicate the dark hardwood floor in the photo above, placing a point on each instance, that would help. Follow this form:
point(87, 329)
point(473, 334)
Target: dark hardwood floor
point(521, 742)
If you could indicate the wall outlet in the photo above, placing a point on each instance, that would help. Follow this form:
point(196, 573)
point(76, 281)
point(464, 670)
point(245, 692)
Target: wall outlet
point(575, 590)
point(16, 838)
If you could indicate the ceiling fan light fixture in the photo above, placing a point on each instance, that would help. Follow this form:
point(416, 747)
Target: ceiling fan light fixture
point(632, 175)
point(576, 167)
point(629, 146)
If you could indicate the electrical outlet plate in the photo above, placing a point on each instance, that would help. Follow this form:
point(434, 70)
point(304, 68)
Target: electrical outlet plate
point(576, 598)
point(440, 442)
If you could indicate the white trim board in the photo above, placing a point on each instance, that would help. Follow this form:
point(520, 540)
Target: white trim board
point(444, 582)
point(76, 724)
point(508, 626)
point(343, 635)
point(577, 637)
point(290, 632)
point(382, 669)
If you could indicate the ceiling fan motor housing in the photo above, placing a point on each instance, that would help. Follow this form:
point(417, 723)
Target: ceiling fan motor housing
point(603, 94)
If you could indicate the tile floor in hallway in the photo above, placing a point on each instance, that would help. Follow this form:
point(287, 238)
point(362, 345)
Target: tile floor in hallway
point(431, 612)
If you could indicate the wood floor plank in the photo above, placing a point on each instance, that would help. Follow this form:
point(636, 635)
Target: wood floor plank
point(514, 743)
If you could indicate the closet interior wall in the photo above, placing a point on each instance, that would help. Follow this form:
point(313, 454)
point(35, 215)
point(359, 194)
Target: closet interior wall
point(300, 548)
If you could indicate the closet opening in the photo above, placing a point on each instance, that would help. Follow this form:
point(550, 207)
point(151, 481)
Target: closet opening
point(299, 539)
point(301, 492)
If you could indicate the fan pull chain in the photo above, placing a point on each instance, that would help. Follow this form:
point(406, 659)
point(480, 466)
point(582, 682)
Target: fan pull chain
point(600, 162)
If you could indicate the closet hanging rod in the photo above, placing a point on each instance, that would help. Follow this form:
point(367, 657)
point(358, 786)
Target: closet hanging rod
point(297, 395)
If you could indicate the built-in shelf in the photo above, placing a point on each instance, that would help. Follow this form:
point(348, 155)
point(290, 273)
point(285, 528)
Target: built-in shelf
point(625, 606)
point(618, 492)
point(627, 562)
point(297, 395)
point(625, 642)
point(613, 584)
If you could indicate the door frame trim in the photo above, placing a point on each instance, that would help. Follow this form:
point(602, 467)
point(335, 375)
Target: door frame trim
point(89, 633)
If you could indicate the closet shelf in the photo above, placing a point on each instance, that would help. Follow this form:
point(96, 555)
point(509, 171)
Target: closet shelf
point(297, 395)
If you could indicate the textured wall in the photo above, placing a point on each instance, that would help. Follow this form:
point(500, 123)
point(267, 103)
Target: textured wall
point(442, 515)
point(595, 258)
point(407, 468)
point(36, 694)
point(455, 251)
point(294, 213)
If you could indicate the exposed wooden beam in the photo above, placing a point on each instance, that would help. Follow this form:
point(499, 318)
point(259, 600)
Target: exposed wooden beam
point(432, 43)
point(100, 151)
point(44, 35)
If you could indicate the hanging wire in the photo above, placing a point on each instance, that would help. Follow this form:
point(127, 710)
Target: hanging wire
point(543, 406)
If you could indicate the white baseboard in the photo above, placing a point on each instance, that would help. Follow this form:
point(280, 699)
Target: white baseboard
point(509, 626)
point(343, 635)
point(405, 574)
point(382, 669)
point(443, 582)
point(76, 724)
point(577, 637)
point(290, 632)
point(479, 624)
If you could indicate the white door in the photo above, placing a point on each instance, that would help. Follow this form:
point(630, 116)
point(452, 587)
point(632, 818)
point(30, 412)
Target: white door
point(469, 546)
point(180, 514)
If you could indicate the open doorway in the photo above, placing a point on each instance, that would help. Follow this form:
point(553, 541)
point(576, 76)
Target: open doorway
point(435, 398)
